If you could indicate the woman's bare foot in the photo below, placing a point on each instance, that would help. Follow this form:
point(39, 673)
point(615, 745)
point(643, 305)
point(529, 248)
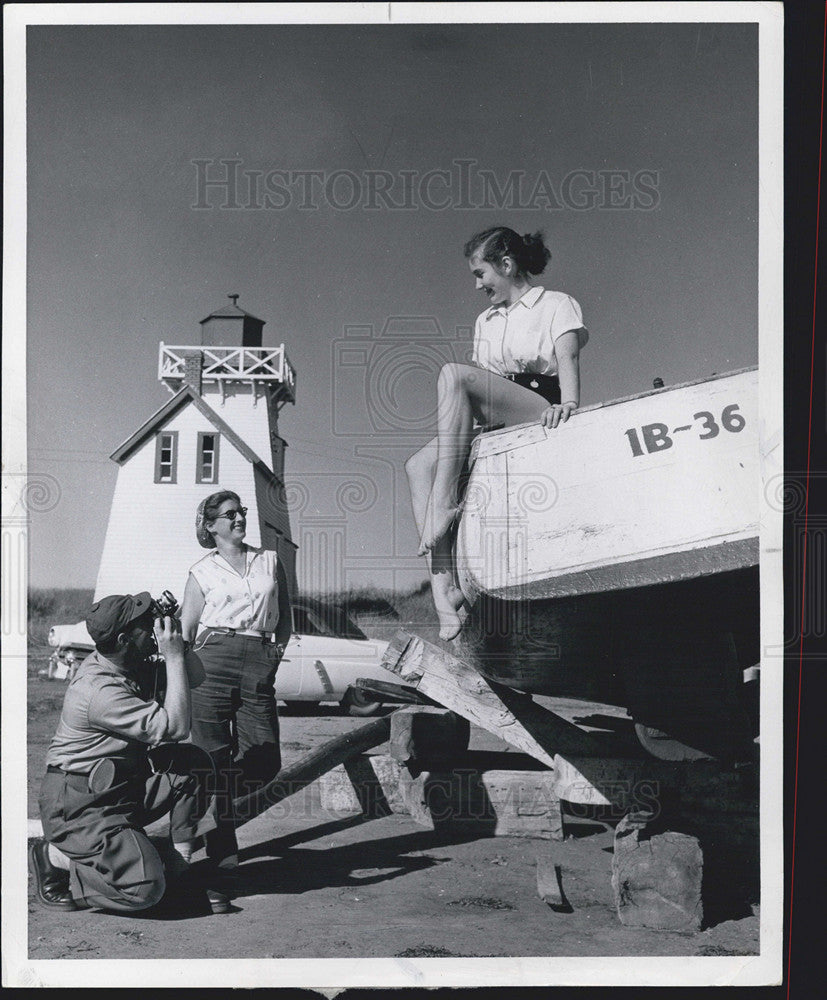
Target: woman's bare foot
point(452, 611)
point(438, 523)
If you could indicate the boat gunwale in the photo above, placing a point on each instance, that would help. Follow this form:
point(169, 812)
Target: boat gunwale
point(486, 439)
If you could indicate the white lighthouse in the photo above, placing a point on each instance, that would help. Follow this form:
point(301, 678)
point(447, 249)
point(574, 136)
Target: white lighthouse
point(219, 430)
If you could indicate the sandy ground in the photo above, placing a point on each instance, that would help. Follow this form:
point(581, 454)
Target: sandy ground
point(316, 884)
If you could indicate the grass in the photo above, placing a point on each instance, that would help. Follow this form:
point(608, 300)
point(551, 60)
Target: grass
point(379, 613)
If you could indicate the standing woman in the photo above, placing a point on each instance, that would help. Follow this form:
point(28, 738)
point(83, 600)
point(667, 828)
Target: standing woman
point(525, 368)
point(236, 613)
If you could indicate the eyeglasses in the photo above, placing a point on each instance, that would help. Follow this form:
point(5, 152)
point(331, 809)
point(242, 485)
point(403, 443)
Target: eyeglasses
point(232, 514)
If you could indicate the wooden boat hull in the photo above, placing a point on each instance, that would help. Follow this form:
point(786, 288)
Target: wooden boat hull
point(598, 569)
point(647, 490)
point(587, 646)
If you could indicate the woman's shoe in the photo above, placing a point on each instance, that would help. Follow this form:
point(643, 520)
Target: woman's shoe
point(219, 901)
point(222, 887)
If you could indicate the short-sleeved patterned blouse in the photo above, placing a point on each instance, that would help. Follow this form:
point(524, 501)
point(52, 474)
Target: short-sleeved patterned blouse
point(250, 601)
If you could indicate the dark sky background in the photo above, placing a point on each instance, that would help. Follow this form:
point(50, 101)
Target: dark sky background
point(665, 268)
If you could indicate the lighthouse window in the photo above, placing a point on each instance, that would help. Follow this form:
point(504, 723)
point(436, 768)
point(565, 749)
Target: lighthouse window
point(206, 465)
point(166, 457)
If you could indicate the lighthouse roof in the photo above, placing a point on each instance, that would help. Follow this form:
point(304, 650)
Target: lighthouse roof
point(186, 396)
point(233, 311)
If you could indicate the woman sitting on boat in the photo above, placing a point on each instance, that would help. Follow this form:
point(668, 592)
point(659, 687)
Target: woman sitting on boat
point(525, 369)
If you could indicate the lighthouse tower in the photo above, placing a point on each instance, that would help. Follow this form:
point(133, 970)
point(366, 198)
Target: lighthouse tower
point(219, 430)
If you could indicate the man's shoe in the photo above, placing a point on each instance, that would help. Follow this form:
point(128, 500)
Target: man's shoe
point(51, 883)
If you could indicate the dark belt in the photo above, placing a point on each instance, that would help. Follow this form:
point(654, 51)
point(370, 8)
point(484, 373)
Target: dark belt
point(117, 772)
point(547, 386)
point(76, 780)
point(241, 633)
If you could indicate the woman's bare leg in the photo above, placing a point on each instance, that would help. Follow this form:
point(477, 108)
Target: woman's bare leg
point(455, 432)
point(419, 469)
point(463, 393)
point(447, 596)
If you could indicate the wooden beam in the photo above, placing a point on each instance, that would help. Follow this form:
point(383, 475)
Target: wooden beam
point(613, 781)
point(512, 716)
point(294, 777)
point(367, 784)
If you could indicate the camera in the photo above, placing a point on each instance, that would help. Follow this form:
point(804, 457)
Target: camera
point(164, 606)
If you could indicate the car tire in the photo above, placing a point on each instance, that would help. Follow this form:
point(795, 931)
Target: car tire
point(359, 704)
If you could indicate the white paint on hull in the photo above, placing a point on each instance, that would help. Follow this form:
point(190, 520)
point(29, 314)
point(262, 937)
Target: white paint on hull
point(649, 489)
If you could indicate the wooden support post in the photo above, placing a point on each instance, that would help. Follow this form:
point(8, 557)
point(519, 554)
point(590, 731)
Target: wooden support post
point(455, 684)
point(621, 783)
point(499, 801)
point(550, 882)
point(424, 738)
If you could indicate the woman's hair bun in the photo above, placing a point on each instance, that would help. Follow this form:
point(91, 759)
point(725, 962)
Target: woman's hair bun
point(536, 254)
point(529, 251)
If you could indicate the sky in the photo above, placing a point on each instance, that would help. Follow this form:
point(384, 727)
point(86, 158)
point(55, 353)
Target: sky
point(636, 150)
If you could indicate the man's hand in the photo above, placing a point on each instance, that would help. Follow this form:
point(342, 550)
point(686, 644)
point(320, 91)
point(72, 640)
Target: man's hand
point(169, 638)
point(177, 701)
point(559, 413)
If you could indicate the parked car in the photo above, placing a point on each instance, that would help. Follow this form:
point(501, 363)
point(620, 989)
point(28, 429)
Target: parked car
point(72, 645)
point(326, 655)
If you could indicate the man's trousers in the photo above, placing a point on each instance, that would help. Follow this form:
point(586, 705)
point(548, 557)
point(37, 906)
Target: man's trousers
point(98, 821)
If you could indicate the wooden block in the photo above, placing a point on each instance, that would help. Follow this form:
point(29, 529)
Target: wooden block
point(455, 684)
point(505, 803)
point(550, 883)
point(368, 784)
point(426, 736)
point(525, 803)
point(657, 880)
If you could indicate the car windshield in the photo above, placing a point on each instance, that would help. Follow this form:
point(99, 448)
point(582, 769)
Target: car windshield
point(325, 619)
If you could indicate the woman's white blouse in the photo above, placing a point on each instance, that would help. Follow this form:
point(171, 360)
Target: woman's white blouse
point(250, 601)
point(522, 338)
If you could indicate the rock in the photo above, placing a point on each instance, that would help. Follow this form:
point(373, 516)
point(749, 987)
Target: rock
point(657, 880)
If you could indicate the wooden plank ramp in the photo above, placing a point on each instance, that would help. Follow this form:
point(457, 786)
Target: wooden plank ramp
point(506, 713)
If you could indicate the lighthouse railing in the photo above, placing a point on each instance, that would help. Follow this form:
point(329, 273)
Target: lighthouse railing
point(227, 363)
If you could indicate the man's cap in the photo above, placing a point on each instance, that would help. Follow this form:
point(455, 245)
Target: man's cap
point(111, 615)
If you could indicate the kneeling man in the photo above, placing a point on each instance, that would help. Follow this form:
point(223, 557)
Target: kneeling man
point(117, 763)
